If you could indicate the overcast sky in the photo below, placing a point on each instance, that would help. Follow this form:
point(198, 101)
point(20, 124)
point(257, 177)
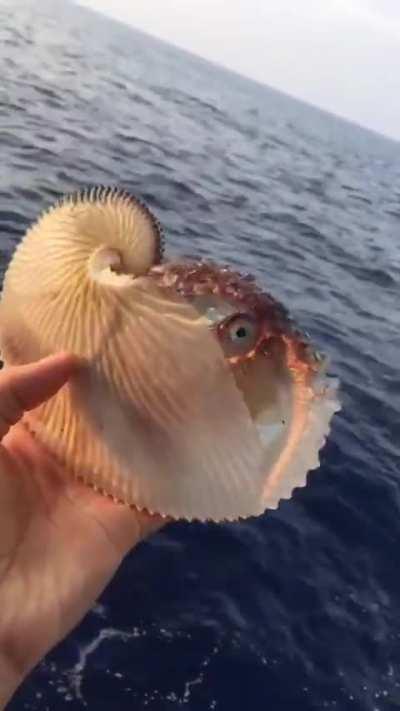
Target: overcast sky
point(342, 55)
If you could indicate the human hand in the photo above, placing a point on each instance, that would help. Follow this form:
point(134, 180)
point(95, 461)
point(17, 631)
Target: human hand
point(60, 542)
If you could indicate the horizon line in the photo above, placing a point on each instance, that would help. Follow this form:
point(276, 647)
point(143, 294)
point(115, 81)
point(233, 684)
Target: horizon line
point(236, 72)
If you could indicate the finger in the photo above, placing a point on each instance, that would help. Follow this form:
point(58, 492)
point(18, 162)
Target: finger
point(24, 387)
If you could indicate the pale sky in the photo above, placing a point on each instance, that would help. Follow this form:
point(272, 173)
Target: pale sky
point(342, 55)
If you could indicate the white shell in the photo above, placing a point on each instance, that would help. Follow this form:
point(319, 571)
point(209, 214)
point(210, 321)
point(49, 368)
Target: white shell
point(294, 449)
point(155, 418)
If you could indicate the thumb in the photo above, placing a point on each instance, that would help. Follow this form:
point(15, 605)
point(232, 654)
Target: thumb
point(24, 387)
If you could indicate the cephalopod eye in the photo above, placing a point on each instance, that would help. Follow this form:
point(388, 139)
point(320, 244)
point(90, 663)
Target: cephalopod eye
point(239, 335)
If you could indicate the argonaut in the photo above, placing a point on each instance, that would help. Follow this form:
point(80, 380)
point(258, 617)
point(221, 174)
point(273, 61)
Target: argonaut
point(198, 397)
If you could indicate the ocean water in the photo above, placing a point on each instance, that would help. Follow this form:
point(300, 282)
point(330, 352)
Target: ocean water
point(298, 610)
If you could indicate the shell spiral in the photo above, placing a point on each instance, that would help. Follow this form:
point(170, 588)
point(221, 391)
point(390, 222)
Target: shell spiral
point(146, 419)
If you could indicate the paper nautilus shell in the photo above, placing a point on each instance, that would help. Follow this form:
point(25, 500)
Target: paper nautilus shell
point(198, 398)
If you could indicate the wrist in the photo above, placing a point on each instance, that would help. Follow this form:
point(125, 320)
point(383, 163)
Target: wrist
point(10, 680)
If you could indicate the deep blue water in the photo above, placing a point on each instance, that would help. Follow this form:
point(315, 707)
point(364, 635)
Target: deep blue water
point(298, 610)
